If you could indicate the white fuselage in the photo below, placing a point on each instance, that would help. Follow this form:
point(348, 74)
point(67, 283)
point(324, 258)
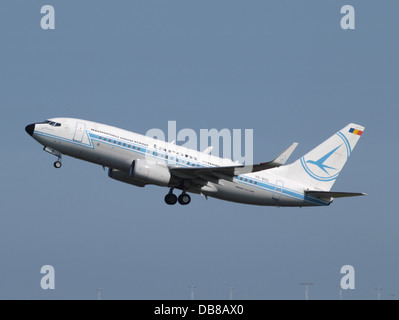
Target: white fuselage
point(117, 148)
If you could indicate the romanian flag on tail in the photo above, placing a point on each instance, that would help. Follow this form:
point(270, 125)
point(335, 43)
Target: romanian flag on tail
point(355, 131)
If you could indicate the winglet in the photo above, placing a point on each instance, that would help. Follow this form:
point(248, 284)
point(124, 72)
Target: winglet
point(208, 150)
point(282, 158)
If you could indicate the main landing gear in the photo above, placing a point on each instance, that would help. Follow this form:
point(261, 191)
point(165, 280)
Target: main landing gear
point(183, 199)
point(171, 198)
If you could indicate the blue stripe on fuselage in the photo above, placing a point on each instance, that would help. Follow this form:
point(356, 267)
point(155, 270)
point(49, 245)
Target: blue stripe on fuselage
point(260, 184)
point(48, 135)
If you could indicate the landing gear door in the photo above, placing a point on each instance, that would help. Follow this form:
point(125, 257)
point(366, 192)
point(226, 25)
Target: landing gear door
point(80, 129)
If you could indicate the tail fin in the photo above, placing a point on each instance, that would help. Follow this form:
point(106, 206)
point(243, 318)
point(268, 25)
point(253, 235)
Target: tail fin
point(319, 168)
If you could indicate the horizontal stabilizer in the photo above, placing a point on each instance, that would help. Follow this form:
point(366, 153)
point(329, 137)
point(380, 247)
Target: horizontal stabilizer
point(331, 194)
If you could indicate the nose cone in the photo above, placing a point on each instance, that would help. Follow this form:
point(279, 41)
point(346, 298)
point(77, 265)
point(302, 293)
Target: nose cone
point(30, 128)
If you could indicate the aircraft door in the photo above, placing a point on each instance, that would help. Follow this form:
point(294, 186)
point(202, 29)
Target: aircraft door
point(80, 129)
point(278, 190)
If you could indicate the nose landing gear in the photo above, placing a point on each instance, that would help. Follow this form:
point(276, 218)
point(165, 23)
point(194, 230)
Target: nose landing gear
point(58, 164)
point(56, 153)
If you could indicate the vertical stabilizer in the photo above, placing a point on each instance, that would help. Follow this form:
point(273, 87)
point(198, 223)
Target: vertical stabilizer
point(319, 169)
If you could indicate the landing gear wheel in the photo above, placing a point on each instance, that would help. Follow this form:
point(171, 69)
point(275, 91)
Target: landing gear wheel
point(184, 199)
point(57, 164)
point(170, 199)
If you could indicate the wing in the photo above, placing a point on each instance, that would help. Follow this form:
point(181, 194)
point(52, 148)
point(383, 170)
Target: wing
point(232, 171)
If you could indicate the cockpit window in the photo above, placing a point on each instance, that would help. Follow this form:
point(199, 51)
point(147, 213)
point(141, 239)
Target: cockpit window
point(52, 123)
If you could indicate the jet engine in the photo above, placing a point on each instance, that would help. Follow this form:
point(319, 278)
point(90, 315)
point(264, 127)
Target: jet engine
point(124, 177)
point(152, 173)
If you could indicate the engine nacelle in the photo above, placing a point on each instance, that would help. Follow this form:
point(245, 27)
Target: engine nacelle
point(152, 173)
point(124, 177)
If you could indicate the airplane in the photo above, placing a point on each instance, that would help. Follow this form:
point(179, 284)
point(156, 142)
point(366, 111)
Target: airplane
point(140, 160)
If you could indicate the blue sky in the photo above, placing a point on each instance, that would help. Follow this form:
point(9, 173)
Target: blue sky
point(285, 69)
